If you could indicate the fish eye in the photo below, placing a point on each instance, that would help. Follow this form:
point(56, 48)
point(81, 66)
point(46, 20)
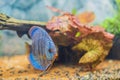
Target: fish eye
point(50, 50)
point(57, 31)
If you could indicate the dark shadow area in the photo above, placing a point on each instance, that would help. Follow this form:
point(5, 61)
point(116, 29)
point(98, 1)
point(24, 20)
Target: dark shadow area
point(115, 50)
point(67, 55)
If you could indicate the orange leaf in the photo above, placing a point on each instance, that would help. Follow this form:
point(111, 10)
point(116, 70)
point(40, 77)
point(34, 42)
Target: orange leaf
point(86, 17)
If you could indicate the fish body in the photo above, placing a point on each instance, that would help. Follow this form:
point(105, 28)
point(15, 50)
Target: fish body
point(43, 48)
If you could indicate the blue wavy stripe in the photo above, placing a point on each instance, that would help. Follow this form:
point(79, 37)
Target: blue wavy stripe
point(35, 63)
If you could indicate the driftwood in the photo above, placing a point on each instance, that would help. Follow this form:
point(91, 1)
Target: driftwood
point(11, 23)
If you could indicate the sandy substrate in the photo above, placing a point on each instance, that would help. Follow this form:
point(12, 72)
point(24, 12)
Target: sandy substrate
point(19, 68)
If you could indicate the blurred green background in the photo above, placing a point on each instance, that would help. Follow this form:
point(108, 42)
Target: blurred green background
point(106, 13)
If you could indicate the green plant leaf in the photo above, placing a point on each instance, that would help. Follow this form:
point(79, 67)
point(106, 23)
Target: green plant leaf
point(77, 34)
point(74, 11)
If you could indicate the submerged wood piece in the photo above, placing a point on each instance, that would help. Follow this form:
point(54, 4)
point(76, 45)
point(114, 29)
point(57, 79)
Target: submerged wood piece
point(6, 21)
point(21, 26)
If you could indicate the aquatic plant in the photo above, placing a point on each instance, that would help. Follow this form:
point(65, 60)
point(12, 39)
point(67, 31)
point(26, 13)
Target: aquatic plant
point(95, 49)
point(112, 25)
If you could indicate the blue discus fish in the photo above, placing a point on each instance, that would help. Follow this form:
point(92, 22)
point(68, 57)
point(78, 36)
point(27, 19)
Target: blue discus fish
point(43, 48)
